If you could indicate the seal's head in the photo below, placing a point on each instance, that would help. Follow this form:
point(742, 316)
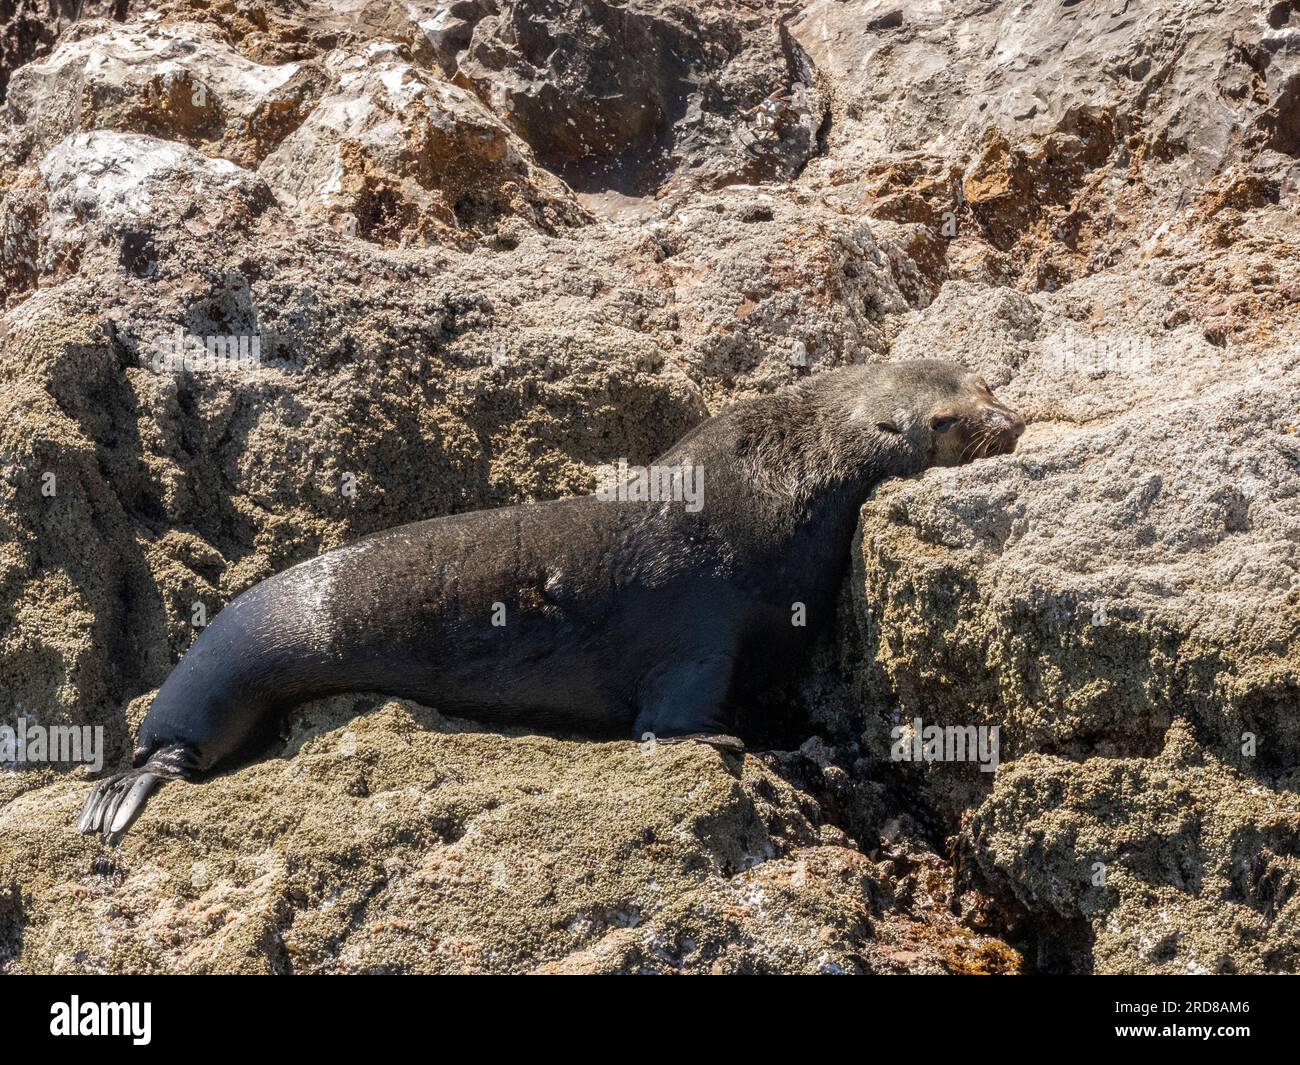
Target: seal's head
point(857, 425)
point(959, 418)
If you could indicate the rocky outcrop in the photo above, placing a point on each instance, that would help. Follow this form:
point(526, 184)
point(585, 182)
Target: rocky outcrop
point(1182, 863)
point(395, 155)
point(363, 139)
point(182, 82)
point(405, 842)
point(1123, 606)
point(1079, 131)
point(1122, 597)
point(275, 278)
point(28, 28)
point(716, 93)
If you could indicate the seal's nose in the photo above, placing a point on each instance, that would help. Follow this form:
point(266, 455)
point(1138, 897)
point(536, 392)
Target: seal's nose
point(1003, 420)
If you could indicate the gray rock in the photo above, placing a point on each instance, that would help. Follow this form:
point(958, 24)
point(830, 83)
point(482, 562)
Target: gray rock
point(394, 154)
point(629, 96)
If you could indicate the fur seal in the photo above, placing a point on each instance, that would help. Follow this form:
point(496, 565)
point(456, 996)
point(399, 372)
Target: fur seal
point(604, 618)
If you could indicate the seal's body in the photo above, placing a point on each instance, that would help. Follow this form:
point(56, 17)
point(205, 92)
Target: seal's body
point(603, 617)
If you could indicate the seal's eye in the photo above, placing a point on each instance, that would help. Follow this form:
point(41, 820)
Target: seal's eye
point(942, 425)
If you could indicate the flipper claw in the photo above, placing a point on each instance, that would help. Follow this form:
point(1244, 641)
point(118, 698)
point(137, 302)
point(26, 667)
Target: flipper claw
point(86, 822)
point(111, 803)
point(132, 802)
point(114, 802)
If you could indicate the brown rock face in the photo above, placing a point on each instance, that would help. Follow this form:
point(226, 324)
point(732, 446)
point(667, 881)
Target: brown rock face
point(471, 251)
point(405, 842)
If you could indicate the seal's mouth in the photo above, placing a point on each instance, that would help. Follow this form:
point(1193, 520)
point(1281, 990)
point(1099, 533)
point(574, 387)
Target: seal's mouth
point(993, 431)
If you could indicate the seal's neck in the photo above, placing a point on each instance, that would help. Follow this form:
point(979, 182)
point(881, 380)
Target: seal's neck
point(804, 454)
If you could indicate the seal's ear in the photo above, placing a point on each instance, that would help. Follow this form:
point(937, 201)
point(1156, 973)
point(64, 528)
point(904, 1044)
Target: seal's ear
point(897, 424)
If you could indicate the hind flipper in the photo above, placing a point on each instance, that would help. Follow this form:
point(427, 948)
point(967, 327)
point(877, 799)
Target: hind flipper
point(115, 801)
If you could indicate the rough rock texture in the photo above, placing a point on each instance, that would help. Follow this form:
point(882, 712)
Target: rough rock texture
point(396, 154)
point(631, 95)
point(1122, 597)
point(181, 81)
point(389, 839)
point(29, 27)
point(1198, 860)
point(480, 248)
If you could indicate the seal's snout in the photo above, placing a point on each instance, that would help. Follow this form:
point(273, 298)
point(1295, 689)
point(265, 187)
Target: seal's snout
point(969, 423)
point(1003, 421)
point(994, 431)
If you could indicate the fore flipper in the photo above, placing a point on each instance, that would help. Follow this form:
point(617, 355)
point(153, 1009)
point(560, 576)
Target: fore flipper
point(687, 700)
point(115, 801)
point(720, 741)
